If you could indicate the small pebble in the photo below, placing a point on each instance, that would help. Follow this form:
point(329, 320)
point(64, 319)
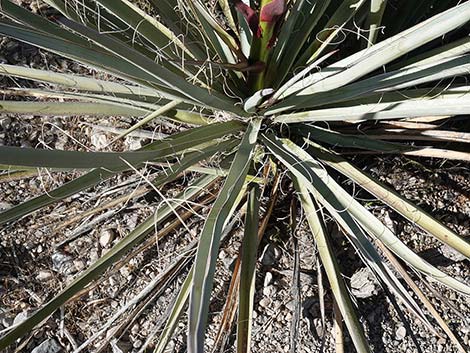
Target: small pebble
point(94, 256)
point(137, 344)
point(62, 263)
point(318, 326)
point(268, 291)
point(106, 237)
point(265, 302)
point(44, 275)
point(135, 329)
point(268, 279)
point(132, 143)
point(5, 123)
point(400, 333)
point(20, 317)
point(98, 139)
point(79, 265)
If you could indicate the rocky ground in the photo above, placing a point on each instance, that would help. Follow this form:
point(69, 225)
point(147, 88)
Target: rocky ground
point(41, 253)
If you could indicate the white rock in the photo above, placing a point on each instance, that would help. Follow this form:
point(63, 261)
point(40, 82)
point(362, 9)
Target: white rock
point(125, 271)
point(94, 256)
point(5, 123)
point(135, 329)
point(98, 139)
point(287, 317)
point(137, 344)
point(5, 205)
point(132, 143)
point(400, 333)
point(268, 279)
point(318, 326)
point(106, 237)
point(441, 340)
point(268, 291)
point(79, 265)
point(44, 275)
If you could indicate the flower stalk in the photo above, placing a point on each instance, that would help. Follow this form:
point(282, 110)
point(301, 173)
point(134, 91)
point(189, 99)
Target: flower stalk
point(264, 30)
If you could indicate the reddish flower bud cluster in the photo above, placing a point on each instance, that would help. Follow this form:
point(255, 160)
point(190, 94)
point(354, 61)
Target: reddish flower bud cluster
point(269, 13)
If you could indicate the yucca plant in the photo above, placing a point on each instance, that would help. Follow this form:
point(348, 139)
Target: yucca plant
point(276, 86)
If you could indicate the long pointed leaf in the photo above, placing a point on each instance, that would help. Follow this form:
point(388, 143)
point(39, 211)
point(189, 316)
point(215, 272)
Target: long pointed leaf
point(147, 26)
point(342, 15)
point(302, 18)
point(75, 81)
point(330, 264)
point(158, 73)
point(347, 140)
point(69, 108)
point(395, 80)
point(374, 20)
point(175, 314)
point(439, 106)
point(247, 272)
point(210, 237)
point(183, 295)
